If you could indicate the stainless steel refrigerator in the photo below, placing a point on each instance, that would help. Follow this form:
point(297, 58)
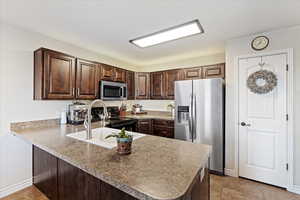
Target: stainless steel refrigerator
point(199, 116)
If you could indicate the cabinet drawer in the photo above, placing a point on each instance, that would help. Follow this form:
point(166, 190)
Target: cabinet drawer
point(167, 123)
point(163, 131)
point(144, 126)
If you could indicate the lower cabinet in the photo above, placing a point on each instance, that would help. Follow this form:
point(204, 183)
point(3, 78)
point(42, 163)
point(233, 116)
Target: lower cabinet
point(75, 184)
point(144, 126)
point(59, 180)
point(158, 127)
point(45, 173)
point(163, 128)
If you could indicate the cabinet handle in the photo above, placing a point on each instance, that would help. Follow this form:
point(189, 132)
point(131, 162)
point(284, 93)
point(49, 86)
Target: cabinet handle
point(78, 92)
point(73, 91)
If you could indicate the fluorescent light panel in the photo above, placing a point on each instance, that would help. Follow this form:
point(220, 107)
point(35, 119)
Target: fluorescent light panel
point(177, 32)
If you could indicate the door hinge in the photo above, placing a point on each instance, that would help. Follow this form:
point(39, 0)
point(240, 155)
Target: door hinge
point(287, 117)
point(287, 67)
point(287, 166)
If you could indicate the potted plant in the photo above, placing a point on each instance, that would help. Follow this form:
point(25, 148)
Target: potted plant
point(124, 141)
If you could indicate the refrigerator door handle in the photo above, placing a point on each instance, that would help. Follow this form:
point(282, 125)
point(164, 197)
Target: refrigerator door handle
point(194, 117)
point(191, 118)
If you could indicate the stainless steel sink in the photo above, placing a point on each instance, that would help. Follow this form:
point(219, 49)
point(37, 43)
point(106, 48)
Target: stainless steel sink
point(99, 134)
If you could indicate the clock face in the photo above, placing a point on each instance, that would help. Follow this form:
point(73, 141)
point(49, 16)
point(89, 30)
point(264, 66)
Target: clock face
point(260, 43)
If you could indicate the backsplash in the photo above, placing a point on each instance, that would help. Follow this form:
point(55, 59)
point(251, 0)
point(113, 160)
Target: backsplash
point(156, 105)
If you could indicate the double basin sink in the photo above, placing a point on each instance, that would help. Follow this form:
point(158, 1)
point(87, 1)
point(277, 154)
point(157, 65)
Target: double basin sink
point(99, 134)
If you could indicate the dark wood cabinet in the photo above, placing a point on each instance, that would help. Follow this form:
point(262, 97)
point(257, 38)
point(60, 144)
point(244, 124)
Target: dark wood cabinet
point(157, 127)
point(120, 75)
point(45, 172)
point(170, 77)
point(54, 75)
point(59, 180)
point(142, 85)
point(107, 72)
point(58, 76)
point(144, 126)
point(130, 85)
point(87, 79)
point(157, 85)
point(163, 128)
point(192, 73)
point(213, 71)
point(201, 188)
point(75, 184)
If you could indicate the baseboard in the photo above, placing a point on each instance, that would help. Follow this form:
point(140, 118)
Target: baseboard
point(15, 187)
point(294, 189)
point(231, 172)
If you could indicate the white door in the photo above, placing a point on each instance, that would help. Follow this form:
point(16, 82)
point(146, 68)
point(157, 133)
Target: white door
point(263, 140)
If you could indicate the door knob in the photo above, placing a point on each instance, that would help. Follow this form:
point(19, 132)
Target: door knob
point(244, 124)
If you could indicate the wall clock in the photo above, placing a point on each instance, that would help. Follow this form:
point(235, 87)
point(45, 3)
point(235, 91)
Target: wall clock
point(260, 43)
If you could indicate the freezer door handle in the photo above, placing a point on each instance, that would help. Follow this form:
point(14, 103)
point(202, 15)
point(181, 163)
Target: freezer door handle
point(194, 117)
point(191, 118)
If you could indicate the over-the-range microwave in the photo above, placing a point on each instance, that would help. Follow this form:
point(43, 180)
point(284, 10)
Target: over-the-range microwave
point(109, 90)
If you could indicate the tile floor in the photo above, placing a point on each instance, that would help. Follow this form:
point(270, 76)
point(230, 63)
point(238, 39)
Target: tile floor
point(222, 188)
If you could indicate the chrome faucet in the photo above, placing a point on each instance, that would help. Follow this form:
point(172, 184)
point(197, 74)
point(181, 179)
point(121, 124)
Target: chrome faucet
point(88, 118)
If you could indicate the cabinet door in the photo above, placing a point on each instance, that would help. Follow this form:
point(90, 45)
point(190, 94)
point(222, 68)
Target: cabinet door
point(142, 85)
point(170, 77)
point(107, 72)
point(192, 73)
point(45, 173)
point(120, 75)
point(214, 71)
point(157, 85)
point(144, 126)
point(163, 131)
point(86, 79)
point(75, 184)
point(59, 76)
point(130, 85)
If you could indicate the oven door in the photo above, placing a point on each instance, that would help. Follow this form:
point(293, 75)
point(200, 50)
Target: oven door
point(112, 90)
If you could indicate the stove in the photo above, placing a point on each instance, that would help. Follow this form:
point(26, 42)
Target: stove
point(115, 121)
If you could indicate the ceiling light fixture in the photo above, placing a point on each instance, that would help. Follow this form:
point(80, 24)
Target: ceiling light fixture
point(173, 33)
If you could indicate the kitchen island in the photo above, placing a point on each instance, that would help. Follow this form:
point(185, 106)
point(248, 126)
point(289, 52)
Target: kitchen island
point(157, 169)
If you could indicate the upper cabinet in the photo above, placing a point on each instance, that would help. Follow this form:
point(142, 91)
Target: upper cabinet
point(142, 85)
point(107, 72)
point(214, 71)
point(170, 77)
point(54, 75)
point(120, 75)
point(157, 85)
point(130, 85)
point(87, 78)
point(58, 76)
point(192, 73)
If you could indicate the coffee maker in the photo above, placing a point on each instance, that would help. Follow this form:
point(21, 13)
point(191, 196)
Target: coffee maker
point(76, 113)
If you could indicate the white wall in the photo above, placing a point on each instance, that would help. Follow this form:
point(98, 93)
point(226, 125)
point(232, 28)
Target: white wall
point(16, 92)
point(279, 39)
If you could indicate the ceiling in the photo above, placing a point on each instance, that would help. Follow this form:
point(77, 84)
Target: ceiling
point(106, 26)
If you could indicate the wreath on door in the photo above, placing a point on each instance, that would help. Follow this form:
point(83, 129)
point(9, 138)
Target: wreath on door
point(262, 81)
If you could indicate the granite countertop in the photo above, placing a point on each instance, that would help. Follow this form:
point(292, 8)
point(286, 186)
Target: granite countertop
point(157, 169)
point(152, 115)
